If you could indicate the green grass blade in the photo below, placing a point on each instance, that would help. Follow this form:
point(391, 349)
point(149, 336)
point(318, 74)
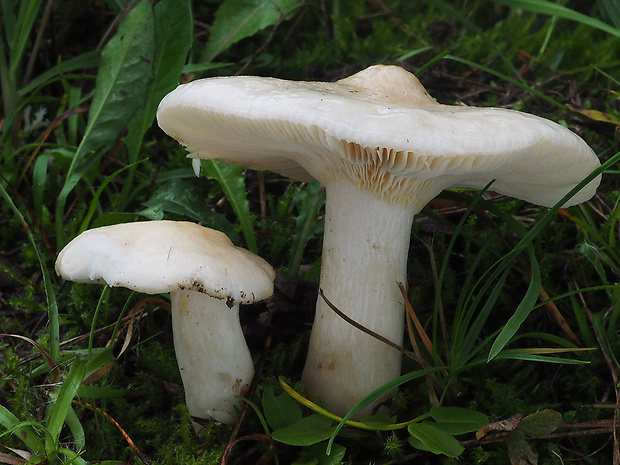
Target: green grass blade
point(523, 310)
point(560, 11)
point(50, 294)
point(612, 8)
point(62, 404)
point(86, 60)
point(93, 203)
point(506, 78)
point(28, 12)
point(377, 393)
point(77, 431)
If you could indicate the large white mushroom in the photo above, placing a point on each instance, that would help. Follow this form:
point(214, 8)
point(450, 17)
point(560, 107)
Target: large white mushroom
point(383, 148)
point(207, 277)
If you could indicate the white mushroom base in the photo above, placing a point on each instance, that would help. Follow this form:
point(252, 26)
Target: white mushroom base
point(213, 357)
point(365, 248)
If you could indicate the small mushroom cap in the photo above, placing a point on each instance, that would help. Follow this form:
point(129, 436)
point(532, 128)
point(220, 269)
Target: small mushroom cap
point(164, 256)
point(380, 129)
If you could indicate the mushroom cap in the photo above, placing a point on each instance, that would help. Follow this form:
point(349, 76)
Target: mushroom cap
point(380, 129)
point(164, 256)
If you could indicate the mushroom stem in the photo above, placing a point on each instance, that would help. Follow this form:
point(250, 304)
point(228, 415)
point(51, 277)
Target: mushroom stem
point(365, 248)
point(213, 357)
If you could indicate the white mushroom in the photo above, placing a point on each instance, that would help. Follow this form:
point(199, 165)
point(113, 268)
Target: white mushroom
point(383, 148)
point(207, 277)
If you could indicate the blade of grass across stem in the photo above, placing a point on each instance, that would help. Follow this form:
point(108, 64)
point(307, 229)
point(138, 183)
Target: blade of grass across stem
point(378, 393)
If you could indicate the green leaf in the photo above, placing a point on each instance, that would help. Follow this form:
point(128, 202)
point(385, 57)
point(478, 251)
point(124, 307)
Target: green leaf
point(238, 19)
point(62, 404)
point(122, 81)
point(173, 37)
point(186, 199)
point(77, 431)
point(124, 73)
point(305, 432)
point(523, 310)
point(280, 411)
point(456, 420)
point(232, 181)
point(22, 430)
point(317, 454)
point(540, 423)
point(426, 436)
point(379, 392)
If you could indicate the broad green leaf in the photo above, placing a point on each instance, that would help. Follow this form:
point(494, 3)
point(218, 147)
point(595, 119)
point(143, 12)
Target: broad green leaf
point(238, 19)
point(186, 199)
point(280, 411)
point(456, 420)
point(173, 37)
point(540, 423)
point(125, 72)
point(305, 432)
point(232, 181)
point(426, 436)
point(122, 81)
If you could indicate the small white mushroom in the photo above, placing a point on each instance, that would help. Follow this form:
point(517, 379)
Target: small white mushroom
point(207, 277)
point(383, 148)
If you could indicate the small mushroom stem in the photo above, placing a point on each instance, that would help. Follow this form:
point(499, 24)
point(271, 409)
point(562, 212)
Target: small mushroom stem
point(365, 248)
point(213, 357)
